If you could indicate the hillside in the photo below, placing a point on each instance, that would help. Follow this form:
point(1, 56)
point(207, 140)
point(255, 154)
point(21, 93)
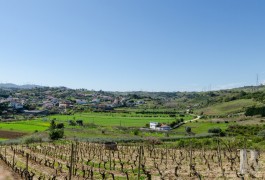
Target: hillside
point(226, 108)
point(15, 86)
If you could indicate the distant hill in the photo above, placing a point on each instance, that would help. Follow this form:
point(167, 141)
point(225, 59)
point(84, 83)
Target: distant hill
point(231, 107)
point(15, 86)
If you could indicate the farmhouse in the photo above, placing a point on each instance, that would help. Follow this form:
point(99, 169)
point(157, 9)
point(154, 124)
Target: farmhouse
point(153, 125)
point(159, 127)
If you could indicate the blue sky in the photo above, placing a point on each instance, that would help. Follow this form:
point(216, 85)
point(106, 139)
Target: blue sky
point(152, 45)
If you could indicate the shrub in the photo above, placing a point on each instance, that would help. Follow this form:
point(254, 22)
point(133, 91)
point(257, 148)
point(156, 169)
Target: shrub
point(52, 125)
point(262, 134)
point(56, 134)
point(153, 141)
point(255, 111)
point(222, 133)
point(79, 122)
point(214, 130)
point(72, 123)
point(136, 132)
point(188, 129)
point(32, 139)
point(90, 125)
point(60, 126)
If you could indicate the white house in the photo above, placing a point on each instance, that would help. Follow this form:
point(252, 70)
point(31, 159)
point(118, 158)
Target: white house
point(157, 126)
point(153, 125)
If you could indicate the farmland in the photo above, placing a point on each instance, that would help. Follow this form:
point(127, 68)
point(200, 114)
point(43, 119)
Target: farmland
point(95, 124)
point(80, 160)
point(189, 151)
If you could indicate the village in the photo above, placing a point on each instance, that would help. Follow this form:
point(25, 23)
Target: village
point(45, 101)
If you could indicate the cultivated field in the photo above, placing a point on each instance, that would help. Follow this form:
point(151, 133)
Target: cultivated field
point(95, 124)
point(80, 160)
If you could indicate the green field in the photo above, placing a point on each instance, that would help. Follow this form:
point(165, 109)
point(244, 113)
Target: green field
point(226, 108)
point(117, 119)
point(95, 124)
point(28, 126)
point(111, 125)
point(201, 127)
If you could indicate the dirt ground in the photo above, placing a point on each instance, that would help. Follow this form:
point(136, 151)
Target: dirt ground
point(10, 134)
point(6, 173)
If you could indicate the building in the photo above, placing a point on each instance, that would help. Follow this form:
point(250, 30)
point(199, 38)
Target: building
point(159, 127)
point(153, 125)
point(165, 128)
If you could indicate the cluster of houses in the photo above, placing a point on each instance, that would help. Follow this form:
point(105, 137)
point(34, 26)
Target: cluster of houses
point(62, 98)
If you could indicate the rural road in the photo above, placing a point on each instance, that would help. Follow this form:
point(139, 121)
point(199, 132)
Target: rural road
point(197, 118)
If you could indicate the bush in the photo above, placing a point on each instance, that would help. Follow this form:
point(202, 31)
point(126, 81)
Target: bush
point(79, 122)
point(60, 126)
point(72, 123)
point(262, 134)
point(90, 125)
point(52, 125)
point(32, 139)
point(255, 111)
point(56, 134)
point(136, 132)
point(217, 131)
point(214, 130)
point(188, 129)
point(153, 141)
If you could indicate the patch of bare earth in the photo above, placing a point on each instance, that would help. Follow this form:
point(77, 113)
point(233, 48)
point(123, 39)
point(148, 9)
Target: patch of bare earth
point(11, 134)
point(6, 172)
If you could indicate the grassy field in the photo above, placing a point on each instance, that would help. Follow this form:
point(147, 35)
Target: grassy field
point(111, 125)
point(28, 126)
point(118, 119)
point(226, 108)
point(99, 125)
point(201, 127)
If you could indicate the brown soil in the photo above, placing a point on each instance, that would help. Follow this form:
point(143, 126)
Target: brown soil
point(6, 172)
point(10, 134)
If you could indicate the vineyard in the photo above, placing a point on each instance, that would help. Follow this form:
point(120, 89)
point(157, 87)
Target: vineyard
point(83, 160)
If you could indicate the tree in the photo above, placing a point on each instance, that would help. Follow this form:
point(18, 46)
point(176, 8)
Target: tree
point(56, 130)
point(188, 129)
point(56, 134)
point(52, 125)
point(3, 107)
point(60, 126)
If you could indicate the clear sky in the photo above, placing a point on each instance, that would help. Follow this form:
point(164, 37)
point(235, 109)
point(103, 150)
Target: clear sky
point(123, 45)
